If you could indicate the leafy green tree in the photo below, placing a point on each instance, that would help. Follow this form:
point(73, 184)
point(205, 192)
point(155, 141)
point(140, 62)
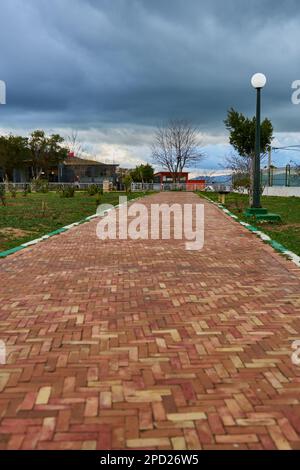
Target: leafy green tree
point(13, 154)
point(37, 146)
point(242, 138)
point(38, 151)
point(45, 152)
point(143, 174)
point(242, 133)
point(127, 180)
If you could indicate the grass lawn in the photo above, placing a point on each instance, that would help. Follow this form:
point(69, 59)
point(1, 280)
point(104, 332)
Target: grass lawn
point(287, 233)
point(26, 218)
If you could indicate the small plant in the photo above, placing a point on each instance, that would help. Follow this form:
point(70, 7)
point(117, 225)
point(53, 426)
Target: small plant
point(13, 191)
point(238, 204)
point(44, 208)
point(67, 192)
point(94, 189)
point(26, 190)
point(241, 182)
point(41, 186)
point(127, 181)
point(59, 188)
point(2, 195)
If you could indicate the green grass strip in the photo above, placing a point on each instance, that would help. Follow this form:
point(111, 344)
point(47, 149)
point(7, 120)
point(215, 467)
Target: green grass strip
point(12, 251)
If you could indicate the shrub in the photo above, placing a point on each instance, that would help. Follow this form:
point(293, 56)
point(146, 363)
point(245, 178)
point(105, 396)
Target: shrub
point(59, 188)
point(239, 204)
point(94, 189)
point(26, 190)
point(241, 182)
point(13, 191)
point(41, 186)
point(127, 181)
point(67, 191)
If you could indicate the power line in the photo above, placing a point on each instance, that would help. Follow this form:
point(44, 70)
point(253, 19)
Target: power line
point(291, 148)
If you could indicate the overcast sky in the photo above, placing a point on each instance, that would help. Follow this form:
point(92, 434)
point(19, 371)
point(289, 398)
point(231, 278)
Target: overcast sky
point(114, 69)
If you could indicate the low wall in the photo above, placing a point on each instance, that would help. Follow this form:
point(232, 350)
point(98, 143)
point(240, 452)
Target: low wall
point(282, 191)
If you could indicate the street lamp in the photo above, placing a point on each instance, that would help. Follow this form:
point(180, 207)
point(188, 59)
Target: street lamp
point(258, 81)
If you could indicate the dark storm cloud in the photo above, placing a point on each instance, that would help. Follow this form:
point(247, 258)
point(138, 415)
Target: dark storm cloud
point(88, 63)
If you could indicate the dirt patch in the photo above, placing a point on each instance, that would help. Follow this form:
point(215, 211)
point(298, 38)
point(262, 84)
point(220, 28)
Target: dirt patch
point(281, 227)
point(239, 207)
point(10, 232)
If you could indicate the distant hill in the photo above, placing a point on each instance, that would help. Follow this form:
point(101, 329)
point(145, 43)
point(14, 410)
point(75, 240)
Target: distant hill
point(218, 179)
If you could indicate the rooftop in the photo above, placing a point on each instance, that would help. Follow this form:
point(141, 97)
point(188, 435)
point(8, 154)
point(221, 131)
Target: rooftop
point(76, 161)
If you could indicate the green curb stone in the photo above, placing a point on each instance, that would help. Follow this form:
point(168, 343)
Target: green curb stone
point(254, 211)
point(269, 217)
point(56, 232)
point(11, 252)
point(277, 246)
point(262, 215)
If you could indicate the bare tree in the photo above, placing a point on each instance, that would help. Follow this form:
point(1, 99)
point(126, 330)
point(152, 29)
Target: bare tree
point(238, 164)
point(74, 145)
point(176, 147)
point(242, 171)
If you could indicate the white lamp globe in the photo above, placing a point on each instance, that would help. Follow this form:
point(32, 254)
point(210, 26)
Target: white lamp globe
point(258, 80)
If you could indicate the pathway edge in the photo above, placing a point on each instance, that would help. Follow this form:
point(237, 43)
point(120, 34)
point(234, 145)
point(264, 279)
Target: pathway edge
point(263, 236)
point(12, 251)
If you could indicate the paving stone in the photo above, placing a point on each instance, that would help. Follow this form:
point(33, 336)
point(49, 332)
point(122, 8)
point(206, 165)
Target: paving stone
point(186, 416)
point(43, 396)
point(147, 443)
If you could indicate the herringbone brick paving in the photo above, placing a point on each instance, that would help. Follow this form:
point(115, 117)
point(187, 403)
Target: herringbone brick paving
point(142, 344)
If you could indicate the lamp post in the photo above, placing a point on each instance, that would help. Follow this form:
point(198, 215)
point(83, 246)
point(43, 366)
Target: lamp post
point(258, 81)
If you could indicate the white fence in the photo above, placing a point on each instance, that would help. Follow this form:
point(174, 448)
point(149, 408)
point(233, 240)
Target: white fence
point(282, 191)
point(137, 187)
point(52, 186)
point(165, 187)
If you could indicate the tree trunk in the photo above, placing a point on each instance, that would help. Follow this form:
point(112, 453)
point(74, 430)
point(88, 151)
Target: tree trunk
point(6, 182)
point(251, 177)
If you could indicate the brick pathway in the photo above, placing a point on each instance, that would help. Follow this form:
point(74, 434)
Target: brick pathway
point(124, 344)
